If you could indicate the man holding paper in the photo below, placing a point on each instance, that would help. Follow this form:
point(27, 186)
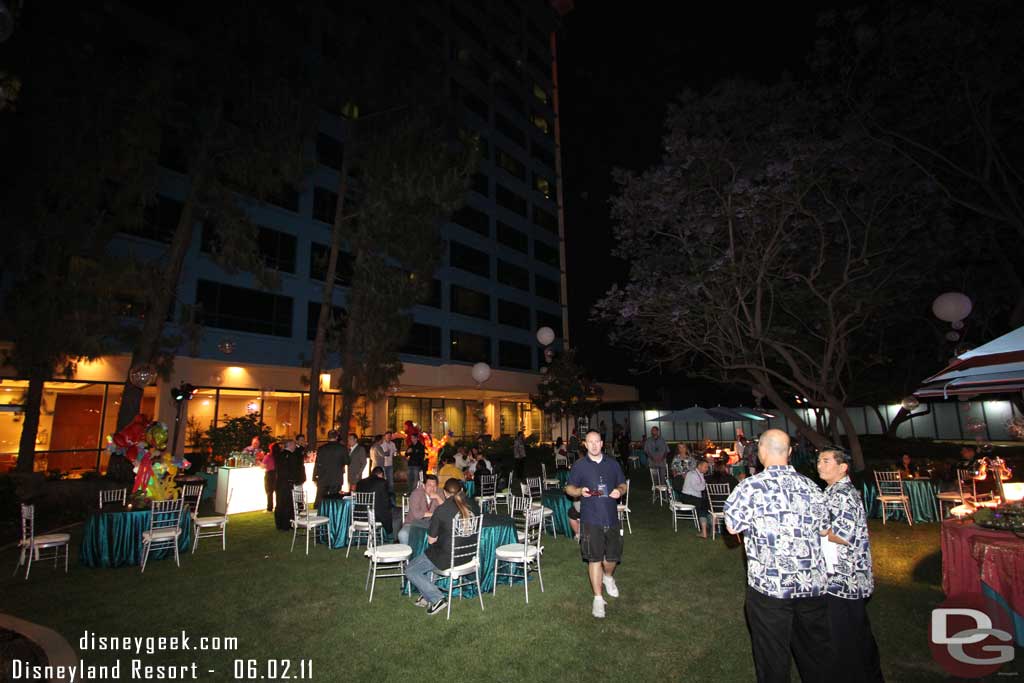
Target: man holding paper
point(848, 558)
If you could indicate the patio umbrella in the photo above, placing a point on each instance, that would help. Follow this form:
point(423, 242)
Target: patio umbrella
point(723, 414)
point(694, 414)
point(995, 367)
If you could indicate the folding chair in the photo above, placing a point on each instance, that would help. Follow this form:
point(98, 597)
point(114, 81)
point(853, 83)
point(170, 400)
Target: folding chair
point(464, 566)
point(525, 554)
point(716, 494)
point(31, 546)
point(393, 557)
point(164, 528)
point(113, 496)
point(891, 494)
point(305, 518)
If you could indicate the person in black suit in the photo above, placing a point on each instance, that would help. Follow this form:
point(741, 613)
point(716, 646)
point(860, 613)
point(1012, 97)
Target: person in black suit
point(331, 459)
point(356, 461)
point(289, 473)
point(377, 484)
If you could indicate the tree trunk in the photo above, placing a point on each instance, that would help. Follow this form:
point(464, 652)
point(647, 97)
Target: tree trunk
point(881, 419)
point(30, 423)
point(148, 345)
point(903, 415)
point(852, 439)
point(320, 341)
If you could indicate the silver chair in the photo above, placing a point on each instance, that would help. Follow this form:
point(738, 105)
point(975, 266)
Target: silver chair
point(211, 526)
point(525, 554)
point(891, 495)
point(464, 566)
point(386, 560)
point(623, 510)
point(532, 490)
point(32, 547)
point(360, 526)
point(716, 494)
point(305, 518)
point(488, 497)
point(113, 496)
point(681, 510)
point(659, 485)
point(164, 529)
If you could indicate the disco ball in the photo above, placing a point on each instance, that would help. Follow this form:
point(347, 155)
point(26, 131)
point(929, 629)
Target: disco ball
point(226, 346)
point(142, 375)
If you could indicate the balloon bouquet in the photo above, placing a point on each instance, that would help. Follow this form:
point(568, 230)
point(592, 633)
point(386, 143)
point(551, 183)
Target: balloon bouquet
point(143, 444)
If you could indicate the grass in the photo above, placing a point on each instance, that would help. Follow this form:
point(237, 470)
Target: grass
point(680, 616)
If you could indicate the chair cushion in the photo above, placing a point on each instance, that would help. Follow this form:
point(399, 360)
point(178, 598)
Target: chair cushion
point(521, 536)
point(392, 552)
point(158, 534)
point(312, 520)
point(886, 498)
point(949, 495)
point(47, 540)
point(361, 526)
point(514, 551)
point(623, 508)
point(459, 570)
point(210, 521)
point(674, 505)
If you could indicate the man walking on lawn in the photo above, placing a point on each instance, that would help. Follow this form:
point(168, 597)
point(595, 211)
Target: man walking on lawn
point(599, 483)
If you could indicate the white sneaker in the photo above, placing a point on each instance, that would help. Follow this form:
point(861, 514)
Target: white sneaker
point(598, 609)
point(610, 587)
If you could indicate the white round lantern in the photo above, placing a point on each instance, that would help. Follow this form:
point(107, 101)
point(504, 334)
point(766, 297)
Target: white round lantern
point(142, 375)
point(952, 306)
point(481, 372)
point(545, 336)
point(910, 403)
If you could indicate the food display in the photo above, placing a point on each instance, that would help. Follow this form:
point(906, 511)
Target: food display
point(1008, 517)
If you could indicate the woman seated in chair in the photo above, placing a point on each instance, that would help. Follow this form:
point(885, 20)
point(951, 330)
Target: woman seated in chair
point(682, 463)
point(439, 551)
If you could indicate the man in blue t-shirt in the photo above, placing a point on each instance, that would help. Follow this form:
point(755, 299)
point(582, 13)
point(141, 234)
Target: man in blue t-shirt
point(599, 483)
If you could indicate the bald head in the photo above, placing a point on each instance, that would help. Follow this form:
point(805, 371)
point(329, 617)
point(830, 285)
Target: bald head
point(773, 448)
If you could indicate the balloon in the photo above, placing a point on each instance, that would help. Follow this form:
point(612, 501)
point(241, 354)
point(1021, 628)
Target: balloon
point(952, 306)
point(142, 375)
point(481, 372)
point(545, 335)
point(957, 325)
point(910, 403)
point(156, 435)
point(953, 336)
point(549, 354)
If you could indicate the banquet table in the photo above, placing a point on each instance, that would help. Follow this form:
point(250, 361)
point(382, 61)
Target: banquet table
point(922, 500)
point(339, 511)
point(562, 476)
point(989, 562)
point(470, 488)
point(112, 537)
point(497, 530)
point(559, 504)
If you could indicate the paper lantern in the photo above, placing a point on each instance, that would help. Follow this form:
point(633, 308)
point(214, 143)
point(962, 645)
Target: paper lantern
point(545, 335)
point(957, 325)
point(142, 375)
point(952, 306)
point(481, 372)
point(910, 403)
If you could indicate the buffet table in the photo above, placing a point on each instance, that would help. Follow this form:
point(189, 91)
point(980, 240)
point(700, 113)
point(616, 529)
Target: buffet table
point(989, 562)
point(249, 494)
point(921, 493)
point(112, 537)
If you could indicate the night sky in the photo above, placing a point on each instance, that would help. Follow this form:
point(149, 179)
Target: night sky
point(619, 68)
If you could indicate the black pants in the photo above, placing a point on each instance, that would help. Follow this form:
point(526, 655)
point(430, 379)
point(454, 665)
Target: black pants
point(283, 514)
point(269, 484)
point(778, 626)
point(854, 642)
point(520, 469)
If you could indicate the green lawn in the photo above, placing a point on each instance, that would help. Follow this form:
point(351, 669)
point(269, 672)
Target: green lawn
point(680, 616)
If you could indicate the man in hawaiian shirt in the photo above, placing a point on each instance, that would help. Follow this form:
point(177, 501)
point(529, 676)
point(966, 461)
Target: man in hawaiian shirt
point(782, 516)
point(850, 582)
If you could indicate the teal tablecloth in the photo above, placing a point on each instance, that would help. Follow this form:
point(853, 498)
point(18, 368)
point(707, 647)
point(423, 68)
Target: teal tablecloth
point(559, 504)
point(339, 511)
point(470, 488)
point(210, 488)
point(113, 538)
point(562, 476)
point(922, 500)
point(497, 530)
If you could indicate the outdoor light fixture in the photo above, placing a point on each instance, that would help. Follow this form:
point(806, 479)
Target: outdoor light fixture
point(183, 393)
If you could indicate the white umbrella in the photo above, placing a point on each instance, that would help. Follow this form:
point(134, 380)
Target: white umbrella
point(995, 367)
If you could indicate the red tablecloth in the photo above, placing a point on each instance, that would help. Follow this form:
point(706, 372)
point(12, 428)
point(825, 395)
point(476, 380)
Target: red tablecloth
point(972, 554)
